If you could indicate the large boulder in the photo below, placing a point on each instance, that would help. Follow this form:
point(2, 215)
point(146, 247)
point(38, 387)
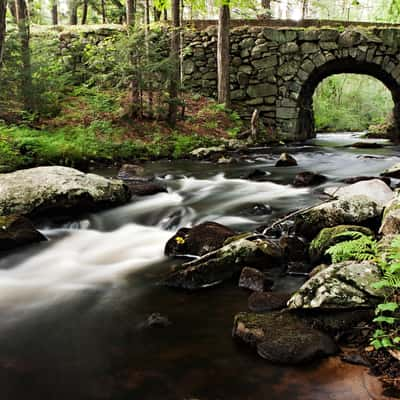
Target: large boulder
point(344, 285)
point(224, 263)
point(375, 189)
point(199, 240)
point(43, 189)
point(330, 236)
point(391, 218)
point(355, 210)
point(17, 231)
point(282, 337)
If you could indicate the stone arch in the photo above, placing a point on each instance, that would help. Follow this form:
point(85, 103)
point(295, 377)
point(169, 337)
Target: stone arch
point(381, 69)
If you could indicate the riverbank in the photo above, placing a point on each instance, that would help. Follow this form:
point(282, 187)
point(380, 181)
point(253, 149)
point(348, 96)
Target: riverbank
point(92, 128)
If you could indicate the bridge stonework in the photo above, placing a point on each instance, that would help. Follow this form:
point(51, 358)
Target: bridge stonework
point(278, 70)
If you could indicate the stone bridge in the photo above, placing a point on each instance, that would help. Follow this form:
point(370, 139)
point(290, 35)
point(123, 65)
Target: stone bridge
point(277, 70)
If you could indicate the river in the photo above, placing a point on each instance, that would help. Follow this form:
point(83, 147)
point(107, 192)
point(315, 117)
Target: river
point(73, 310)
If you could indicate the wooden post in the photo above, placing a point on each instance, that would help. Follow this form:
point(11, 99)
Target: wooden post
point(223, 56)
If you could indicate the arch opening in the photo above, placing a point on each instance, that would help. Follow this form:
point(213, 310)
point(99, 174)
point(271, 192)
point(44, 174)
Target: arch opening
point(306, 122)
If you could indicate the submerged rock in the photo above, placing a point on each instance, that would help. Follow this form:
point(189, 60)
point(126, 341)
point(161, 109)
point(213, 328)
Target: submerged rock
point(222, 264)
point(130, 171)
point(199, 240)
point(294, 247)
point(355, 210)
point(282, 337)
point(343, 285)
point(253, 279)
point(375, 189)
point(42, 189)
point(307, 178)
point(17, 231)
point(268, 301)
point(329, 237)
point(155, 320)
point(286, 160)
point(367, 145)
point(256, 175)
point(143, 188)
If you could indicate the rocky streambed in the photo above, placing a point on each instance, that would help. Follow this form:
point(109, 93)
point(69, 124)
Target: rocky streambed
point(97, 311)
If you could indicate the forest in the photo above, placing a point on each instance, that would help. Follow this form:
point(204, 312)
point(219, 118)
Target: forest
point(199, 199)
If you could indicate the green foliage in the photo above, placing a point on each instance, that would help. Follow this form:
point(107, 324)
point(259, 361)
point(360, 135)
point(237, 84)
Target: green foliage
point(387, 318)
point(359, 248)
point(349, 102)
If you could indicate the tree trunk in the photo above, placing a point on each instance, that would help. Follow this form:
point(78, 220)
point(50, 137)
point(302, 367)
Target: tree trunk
point(130, 12)
point(54, 13)
point(304, 9)
point(84, 12)
point(3, 10)
point(24, 36)
point(157, 14)
point(73, 12)
point(165, 14)
point(175, 53)
point(103, 12)
point(266, 4)
point(223, 56)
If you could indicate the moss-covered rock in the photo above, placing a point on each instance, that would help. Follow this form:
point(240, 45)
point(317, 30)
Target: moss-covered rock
point(224, 263)
point(355, 210)
point(17, 231)
point(329, 237)
point(43, 189)
point(344, 285)
point(282, 337)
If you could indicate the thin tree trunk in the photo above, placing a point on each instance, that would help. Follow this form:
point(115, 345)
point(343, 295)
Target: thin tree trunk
point(103, 12)
point(157, 14)
point(73, 12)
point(24, 35)
point(3, 10)
point(84, 12)
point(223, 56)
point(304, 9)
point(130, 12)
point(150, 88)
point(54, 13)
point(175, 53)
point(266, 4)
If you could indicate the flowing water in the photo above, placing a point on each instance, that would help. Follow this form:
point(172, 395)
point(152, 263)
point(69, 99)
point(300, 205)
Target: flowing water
point(73, 310)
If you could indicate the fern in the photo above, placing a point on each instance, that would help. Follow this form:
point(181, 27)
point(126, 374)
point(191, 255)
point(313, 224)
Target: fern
point(360, 247)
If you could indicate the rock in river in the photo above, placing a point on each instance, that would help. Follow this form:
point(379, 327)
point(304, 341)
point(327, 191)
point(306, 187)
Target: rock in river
point(344, 285)
point(355, 210)
point(282, 337)
point(392, 172)
point(375, 189)
point(199, 240)
point(286, 160)
point(308, 178)
point(224, 263)
point(17, 231)
point(267, 301)
point(255, 280)
point(42, 189)
point(391, 218)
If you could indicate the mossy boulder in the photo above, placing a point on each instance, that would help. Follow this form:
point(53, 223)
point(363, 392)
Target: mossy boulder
point(47, 189)
point(355, 210)
point(329, 237)
point(282, 337)
point(17, 231)
point(392, 172)
point(344, 285)
point(224, 263)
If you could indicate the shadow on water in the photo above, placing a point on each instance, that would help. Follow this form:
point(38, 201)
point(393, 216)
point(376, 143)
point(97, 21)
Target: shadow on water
point(73, 311)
